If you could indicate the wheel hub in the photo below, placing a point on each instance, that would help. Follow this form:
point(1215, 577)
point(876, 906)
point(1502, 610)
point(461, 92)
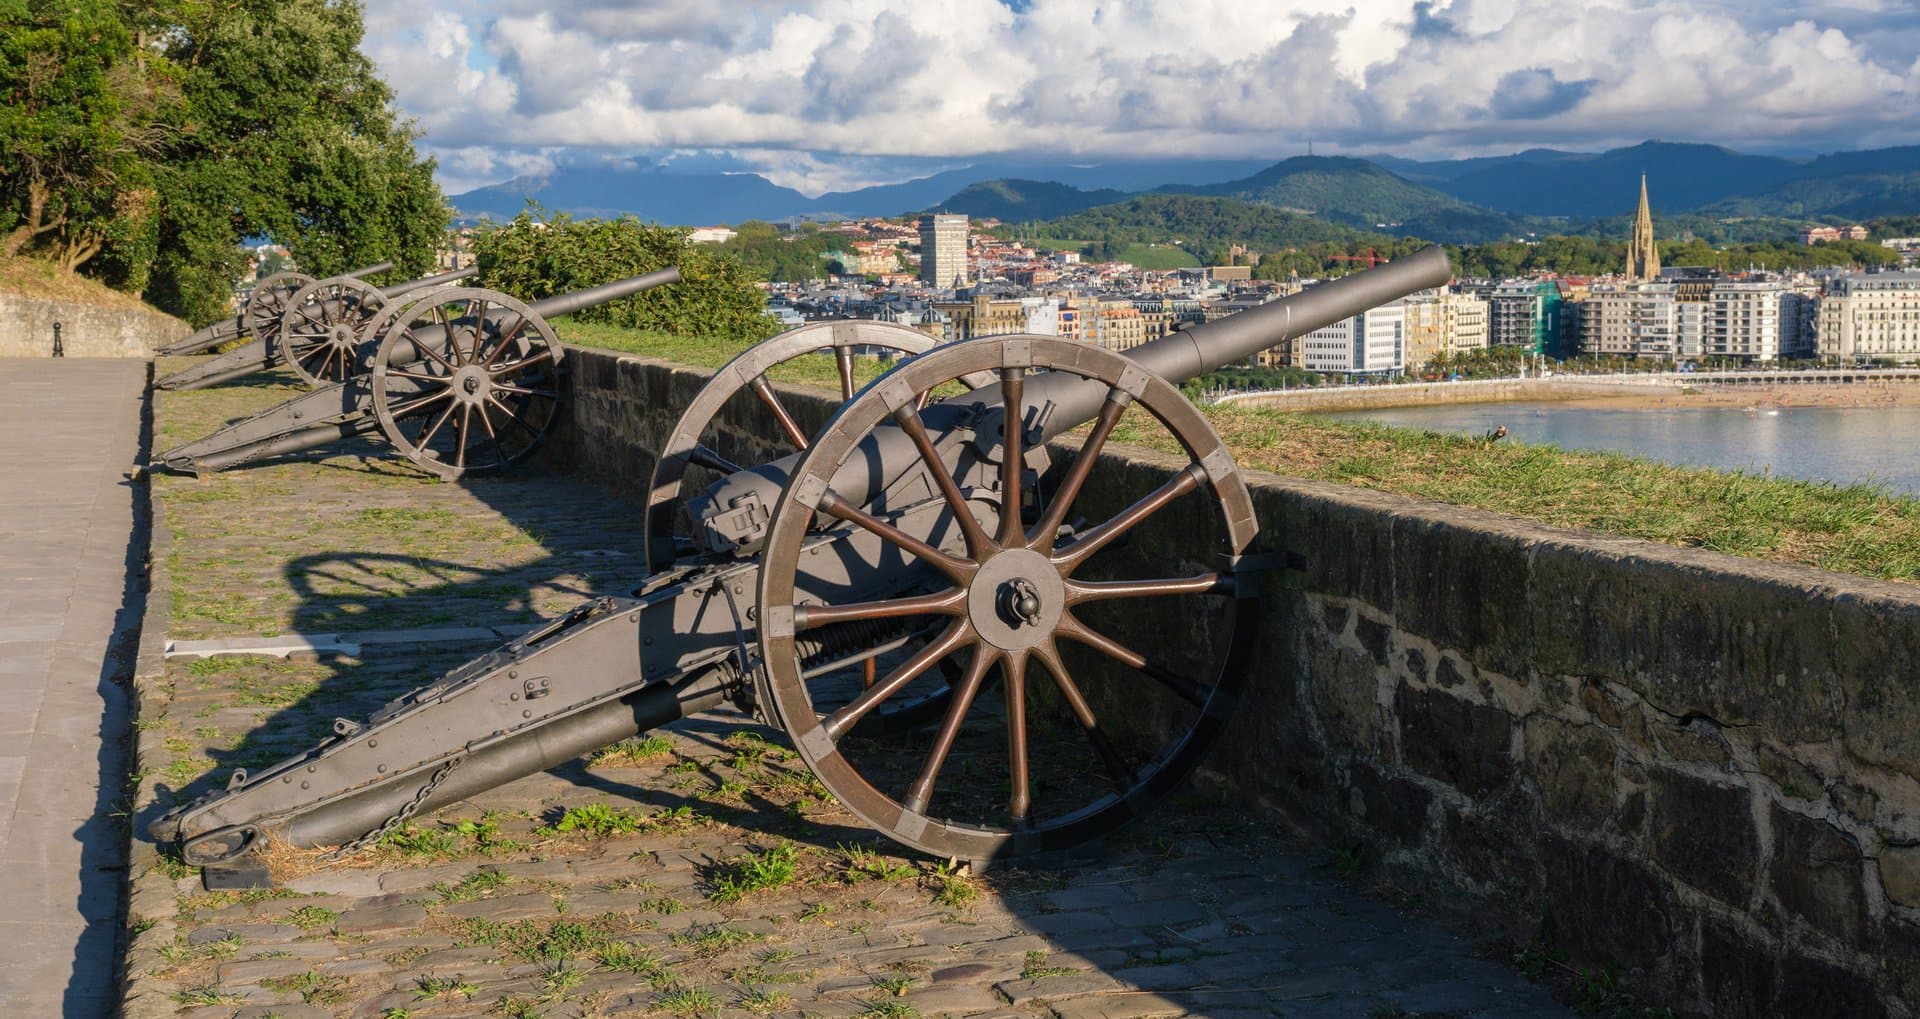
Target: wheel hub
point(341, 336)
point(471, 385)
point(1016, 599)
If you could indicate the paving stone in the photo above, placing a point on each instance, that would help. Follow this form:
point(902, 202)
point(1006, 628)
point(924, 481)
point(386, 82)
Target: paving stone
point(403, 917)
point(252, 971)
point(249, 933)
point(1099, 896)
point(355, 884)
point(1065, 985)
point(958, 1000)
point(506, 907)
point(288, 1011)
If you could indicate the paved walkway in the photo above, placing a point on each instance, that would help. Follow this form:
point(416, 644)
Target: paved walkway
point(68, 430)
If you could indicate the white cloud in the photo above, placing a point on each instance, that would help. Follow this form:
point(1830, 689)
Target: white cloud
point(1140, 78)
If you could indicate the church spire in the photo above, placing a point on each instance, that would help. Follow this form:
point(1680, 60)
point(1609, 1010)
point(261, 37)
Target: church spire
point(1643, 255)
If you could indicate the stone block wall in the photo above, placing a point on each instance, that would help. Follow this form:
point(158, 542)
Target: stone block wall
point(86, 330)
point(1701, 769)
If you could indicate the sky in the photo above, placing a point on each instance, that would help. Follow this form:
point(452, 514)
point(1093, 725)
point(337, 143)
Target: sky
point(843, 93)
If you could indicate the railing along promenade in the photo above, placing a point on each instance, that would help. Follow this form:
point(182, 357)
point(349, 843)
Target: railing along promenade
point(1478, 387)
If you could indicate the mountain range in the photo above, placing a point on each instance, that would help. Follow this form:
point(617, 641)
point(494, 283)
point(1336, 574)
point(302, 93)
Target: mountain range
point(1462, 201)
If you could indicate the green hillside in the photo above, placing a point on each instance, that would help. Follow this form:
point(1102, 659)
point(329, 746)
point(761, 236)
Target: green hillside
point(1851, 197)
point(1199, 224)
point(1019, 200)
point(1360, 194)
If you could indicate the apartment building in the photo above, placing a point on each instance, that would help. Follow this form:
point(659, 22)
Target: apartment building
point(1871, 316)
point(1372, 342)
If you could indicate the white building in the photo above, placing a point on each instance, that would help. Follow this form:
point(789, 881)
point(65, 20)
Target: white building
point(1043, 315)
point(711, 235)
point(1871, 315)
point(943, 250)
point(1371, 342)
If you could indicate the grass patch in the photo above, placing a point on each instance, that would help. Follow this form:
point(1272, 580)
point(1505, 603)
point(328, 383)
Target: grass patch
point(595, 819)
point(1037, 967)
point(689, 1003)
point(709, 941)
point(313, 988)
point(861, 864)
point(630, 753)
point(756, 872)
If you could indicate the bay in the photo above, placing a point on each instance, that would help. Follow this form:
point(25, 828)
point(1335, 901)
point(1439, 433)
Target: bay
point(1848, 445)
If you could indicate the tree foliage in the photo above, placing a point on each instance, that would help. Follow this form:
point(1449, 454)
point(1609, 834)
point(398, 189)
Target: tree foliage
point(539, 255)
point(141, 142)
point(792, 257)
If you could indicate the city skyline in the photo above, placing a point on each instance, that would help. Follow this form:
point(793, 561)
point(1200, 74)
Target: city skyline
point(834, 95)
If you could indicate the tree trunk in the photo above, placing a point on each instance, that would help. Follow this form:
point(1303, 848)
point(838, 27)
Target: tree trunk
point(36, 224)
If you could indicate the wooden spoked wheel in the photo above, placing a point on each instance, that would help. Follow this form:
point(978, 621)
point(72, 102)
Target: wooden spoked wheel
point(321, 334)
point(691, 444)
point(467, 382)
point(267, 307)
point(1019, 592)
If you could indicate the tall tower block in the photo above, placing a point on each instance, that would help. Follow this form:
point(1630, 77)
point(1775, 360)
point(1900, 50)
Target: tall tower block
point(1643, 255)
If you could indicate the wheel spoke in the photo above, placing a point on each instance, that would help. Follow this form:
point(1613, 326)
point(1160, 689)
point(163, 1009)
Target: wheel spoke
point(1020, 794)
point(437, 424)
point(447, 337)
point(959, 569)
point(922, 789)
point(544, 394)
point(950, 602)
point(543, 354)
point(419, 404)
point(843, 360)
point(1012, 454)
point(513, 418)
point(1101, 590)
point(486, 422)
point(1093, 541)
point(1043, 533)
point(460, 435)
point(764, 390)
point(1117, 770)
point(416, 376)
point(1186, 689)
point(978, 544)
point(957, 634)
point(499, 344)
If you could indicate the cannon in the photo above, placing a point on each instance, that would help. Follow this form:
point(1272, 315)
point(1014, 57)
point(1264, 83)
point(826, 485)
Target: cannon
point(863, 593)
point(463, 381)
point(270, 295)
point(321, 332)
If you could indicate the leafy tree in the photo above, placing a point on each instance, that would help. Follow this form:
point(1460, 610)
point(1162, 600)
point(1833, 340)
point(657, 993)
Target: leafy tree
point(538, 255)
point(78, 118)
point(141, 140)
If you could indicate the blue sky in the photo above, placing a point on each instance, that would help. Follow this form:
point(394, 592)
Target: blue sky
point(842, 93)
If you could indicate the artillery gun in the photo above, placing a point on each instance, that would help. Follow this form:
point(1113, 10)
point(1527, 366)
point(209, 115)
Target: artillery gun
point(270, 295)
point(321, 332)
point(462, 381)
point(935, 535)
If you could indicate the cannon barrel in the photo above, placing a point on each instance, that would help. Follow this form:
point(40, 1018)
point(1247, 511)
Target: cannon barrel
point(244, 361)
point(408, 286)
point(343, 409)
point(580, 300)
point(232, 328)
point(1071, 401)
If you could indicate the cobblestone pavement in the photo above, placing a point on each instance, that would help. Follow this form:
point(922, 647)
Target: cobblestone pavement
point(697, 873)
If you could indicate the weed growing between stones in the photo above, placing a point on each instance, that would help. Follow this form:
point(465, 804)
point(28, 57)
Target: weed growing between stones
point(630, 753)
point(757, 872)
point(1037, 967)
point(764, 1002)
point(208, 994)
point(863, 864)
point(313, 988)
point(689, 1003)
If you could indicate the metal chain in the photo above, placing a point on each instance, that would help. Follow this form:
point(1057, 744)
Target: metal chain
point(407, 810)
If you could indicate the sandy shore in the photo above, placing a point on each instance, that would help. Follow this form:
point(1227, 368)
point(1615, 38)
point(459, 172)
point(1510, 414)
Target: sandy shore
point(1763, 397)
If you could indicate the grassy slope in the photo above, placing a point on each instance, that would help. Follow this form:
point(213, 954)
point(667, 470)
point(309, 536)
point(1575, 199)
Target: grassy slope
point(36, 278)
point(1852, 529)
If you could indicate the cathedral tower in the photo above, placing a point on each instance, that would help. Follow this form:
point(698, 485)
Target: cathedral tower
point(1643, 255)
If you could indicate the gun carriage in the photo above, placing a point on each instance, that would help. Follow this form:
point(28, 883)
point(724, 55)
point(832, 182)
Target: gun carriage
point(462, 382)
point(270, 295)
point(321, 331)
point(865, 593)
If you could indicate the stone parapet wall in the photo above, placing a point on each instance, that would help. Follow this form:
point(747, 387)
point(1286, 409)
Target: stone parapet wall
point(1702, 769)
point(1423, 394)
point(86, 330)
